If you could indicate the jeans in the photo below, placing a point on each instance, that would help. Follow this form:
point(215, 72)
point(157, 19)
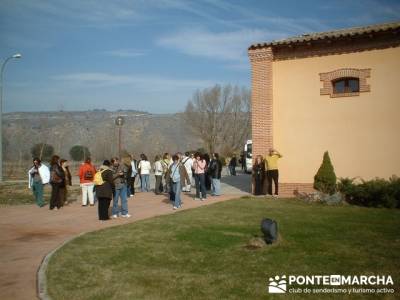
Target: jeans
point(200, 180)
point(87, 190)
point(232, 170)
point(37, 189)
point(145, 182)
point(120, 193)
point(215, 186)
point(176, 188)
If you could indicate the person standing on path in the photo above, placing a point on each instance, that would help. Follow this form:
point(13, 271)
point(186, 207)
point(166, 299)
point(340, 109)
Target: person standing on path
point(177, 175)
point(86, 176)
point(187, 162)
point(158, 173)
point(39, 175)
point(105, 191)
point(119, 177)
point(215, 173)
point(68, 181)
point(199, 166)
point(145, 168)
point(232, 165)
point(57, 181)
point(258, 175)
point(271, 165)
point(132, 176)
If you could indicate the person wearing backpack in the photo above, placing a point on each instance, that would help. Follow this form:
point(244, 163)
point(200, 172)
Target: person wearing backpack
point(86, 177)
point(177, 176)
point(104, 190)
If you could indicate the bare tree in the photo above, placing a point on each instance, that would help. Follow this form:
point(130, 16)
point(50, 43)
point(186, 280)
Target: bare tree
point(220, 117)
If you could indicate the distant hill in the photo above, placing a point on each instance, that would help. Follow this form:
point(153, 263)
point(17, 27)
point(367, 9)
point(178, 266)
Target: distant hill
point(142, 133)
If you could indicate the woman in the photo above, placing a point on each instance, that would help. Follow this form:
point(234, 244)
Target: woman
point(199, 166)
point(39, 175)
point(68, 181)
point(86, 176)
point(145, 167)
point(177, 176)
point(104, 192)
point(158, 172)
point(258, 175)
point(132, 176)
point(57, 181)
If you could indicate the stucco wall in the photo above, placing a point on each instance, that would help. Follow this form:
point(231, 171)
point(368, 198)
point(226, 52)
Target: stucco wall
point(361, 133)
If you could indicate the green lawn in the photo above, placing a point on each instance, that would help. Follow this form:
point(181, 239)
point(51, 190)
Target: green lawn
point(201, 253)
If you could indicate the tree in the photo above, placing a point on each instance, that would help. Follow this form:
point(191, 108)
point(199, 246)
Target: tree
point(79, 153)
point(325, 179)
point(43, 151)
point(220, 117)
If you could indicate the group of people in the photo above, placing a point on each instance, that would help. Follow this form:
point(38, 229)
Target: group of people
point(266, 169)
point(115, 180)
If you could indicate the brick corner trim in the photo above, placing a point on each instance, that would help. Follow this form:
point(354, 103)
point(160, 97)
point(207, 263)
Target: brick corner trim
point(260, 54)
point(328, 77)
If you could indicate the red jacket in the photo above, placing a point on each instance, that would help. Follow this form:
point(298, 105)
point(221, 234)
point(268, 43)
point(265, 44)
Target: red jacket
point(86, 173)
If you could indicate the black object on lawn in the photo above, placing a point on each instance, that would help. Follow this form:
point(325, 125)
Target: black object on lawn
point(270, 230)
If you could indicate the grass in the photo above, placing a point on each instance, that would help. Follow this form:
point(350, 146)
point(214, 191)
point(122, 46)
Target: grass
point(202, 254)
point(18, 193)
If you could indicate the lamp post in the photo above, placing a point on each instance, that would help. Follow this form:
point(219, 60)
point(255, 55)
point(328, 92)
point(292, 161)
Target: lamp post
point(17, 55)
point(119, 121)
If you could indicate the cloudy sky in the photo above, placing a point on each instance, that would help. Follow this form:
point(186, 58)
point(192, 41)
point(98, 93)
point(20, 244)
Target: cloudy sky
point(150, 54)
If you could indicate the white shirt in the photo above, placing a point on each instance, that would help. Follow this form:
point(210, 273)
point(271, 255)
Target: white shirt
point(145, 167)
point(44, 173)
point(158, 169)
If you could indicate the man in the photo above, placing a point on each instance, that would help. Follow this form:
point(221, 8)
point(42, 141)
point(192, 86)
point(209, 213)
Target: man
point(271, 165)
point(187, 162)
point(119, 176)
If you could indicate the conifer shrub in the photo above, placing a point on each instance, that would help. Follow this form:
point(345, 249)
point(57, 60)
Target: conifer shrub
point(325, 179)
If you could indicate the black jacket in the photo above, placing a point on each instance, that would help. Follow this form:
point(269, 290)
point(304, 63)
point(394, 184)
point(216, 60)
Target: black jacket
point(215, 169)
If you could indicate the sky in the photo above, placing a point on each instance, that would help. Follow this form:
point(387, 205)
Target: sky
point(150, 55)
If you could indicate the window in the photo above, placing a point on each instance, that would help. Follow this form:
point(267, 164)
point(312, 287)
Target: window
point(346, 82)
point(346, 85)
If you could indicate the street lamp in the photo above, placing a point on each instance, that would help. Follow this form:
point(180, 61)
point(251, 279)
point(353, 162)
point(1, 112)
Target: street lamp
point(119, 121)
point(17, 55)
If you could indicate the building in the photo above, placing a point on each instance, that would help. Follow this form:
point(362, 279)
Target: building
point(335, 91)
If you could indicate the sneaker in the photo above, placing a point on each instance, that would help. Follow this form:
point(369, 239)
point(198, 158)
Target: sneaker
point(175, 208)
point(275, 196)
point(114, 216)
point(84, 205)
point(197, 199)
point(202, 199)
point(131, 195)
point(91, 204)
point(126, 216)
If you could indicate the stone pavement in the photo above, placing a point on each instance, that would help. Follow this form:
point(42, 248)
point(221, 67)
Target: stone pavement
point(28, 233)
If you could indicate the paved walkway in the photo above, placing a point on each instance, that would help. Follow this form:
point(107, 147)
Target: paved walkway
point(28, 233)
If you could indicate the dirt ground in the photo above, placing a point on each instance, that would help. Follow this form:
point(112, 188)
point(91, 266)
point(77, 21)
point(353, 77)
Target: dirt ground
point(28, 233)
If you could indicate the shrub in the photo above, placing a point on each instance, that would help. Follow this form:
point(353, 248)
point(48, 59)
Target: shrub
point(325, 179)
point(79, 153)
point(373, 193)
